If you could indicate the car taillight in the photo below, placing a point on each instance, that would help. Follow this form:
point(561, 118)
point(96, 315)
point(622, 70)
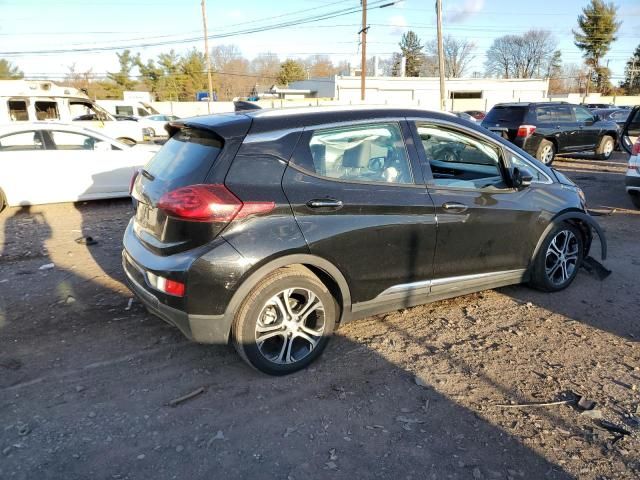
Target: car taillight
point(635, 150)
point(133, 181)
point(209, 203)
point(526, 130)
point(165, 285)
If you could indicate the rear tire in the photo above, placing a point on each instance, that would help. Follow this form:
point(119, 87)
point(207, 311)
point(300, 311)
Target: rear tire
point(285, 323)
point(558, 260)
point(546, 152)
point(605, 148)
point(635, 199)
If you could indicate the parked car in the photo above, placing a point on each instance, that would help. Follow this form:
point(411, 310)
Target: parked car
point(618, 115)
point(465, 116)
point(46, 162)
point(154, 124)
point(592, 106)
point(544, 129)
point(477, 114)
point(631, 143)
point(270, 228)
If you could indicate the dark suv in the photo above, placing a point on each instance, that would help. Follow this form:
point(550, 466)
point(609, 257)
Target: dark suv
point(270, 228)
point(544, 129)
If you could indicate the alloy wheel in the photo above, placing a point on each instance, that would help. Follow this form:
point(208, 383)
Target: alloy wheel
point(561, 258)
point(607, 149)
point(547, 154)
point(290, 326)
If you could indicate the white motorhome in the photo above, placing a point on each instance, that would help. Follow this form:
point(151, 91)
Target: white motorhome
point(31, 100)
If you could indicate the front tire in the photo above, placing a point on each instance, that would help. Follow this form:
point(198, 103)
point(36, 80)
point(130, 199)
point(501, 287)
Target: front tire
point(559, 258)
point(605, 148)
point(635, 199)
point(546, 152)
point(285, 323)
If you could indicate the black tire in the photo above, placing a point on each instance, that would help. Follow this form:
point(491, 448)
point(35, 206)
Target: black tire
point(605, 148)
point(259, 310)
point(550, 281)
point(546, 152)
point(635, 199)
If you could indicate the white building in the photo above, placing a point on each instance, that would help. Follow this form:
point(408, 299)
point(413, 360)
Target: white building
point(461, 93)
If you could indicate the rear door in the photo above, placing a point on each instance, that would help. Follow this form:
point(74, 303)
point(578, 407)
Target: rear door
point(588, 131)
point(360, 201)
point(631, 129)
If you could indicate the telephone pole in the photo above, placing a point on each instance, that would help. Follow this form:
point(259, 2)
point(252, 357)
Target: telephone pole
point(443, 100)
point(363, 61)
point(207, 57)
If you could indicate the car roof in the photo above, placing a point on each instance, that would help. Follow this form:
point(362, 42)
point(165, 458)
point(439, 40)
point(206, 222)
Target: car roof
point(527, 104)
point(266, 120)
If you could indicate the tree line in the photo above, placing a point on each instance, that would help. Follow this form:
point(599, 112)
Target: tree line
point(533, 54)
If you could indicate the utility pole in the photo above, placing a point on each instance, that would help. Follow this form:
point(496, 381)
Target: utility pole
point(207, 57)
point(443, 100)
point(363, 61)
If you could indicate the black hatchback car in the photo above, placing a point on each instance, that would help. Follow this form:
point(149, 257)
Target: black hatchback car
point(270, 228)
point(544, 129)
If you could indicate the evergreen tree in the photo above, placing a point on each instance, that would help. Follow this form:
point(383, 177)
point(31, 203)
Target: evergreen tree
point(8, 71)
point(631, 82)
point(291, 71)
point(597, 30)
point(411, 49)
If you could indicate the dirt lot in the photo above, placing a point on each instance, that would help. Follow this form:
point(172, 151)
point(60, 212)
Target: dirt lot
point(86, 377)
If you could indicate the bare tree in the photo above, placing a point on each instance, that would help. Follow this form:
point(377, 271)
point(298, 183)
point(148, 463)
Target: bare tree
point(231, 71)
point(457, 56)
point(521, 56)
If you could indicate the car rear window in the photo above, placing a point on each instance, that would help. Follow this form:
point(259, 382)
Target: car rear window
point(186, 158)
point(500, 114)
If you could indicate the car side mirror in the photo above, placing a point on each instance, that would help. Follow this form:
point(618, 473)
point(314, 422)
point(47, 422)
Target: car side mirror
point(521, 177)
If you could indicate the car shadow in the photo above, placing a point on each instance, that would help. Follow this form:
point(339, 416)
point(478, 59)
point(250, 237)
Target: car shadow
point(87, 395)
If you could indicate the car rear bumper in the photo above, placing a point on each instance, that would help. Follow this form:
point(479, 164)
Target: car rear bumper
point(199, 328)
point(632, 182)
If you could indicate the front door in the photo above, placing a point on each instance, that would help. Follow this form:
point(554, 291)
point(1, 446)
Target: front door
point(588, 128)
point(484, 225)
point(360, 201)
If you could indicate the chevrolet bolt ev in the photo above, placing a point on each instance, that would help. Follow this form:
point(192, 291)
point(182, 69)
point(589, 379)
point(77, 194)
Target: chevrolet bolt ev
point(270, 228)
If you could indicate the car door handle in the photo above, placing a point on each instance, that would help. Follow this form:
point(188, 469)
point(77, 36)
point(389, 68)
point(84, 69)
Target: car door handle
point(325, 203)
point(454, 207)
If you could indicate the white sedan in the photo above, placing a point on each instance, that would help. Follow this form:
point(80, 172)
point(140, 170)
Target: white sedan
point(154, 124)
point(44, 162)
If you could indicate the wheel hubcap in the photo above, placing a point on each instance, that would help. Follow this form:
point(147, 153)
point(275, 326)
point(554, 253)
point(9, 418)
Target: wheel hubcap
point(562, 257)
point(290, 326)
point(608, 148)
point(547, 154)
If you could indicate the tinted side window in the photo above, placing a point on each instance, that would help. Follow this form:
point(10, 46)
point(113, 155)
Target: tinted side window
point(545, 114)
point(459, 160)
point(563, 113)
point(124, 110)
point(582, 114)
point(366, 153)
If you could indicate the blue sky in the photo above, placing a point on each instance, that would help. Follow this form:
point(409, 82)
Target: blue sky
point(39, 25)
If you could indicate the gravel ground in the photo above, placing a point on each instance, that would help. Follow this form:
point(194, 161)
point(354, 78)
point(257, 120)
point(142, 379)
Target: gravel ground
point(86, 376)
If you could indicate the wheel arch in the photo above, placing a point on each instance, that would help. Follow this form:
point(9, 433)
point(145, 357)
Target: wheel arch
point(326, 272)
point(581, 220)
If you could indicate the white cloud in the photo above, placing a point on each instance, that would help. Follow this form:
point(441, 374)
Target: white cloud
point(399, 24)
point(460, 13)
